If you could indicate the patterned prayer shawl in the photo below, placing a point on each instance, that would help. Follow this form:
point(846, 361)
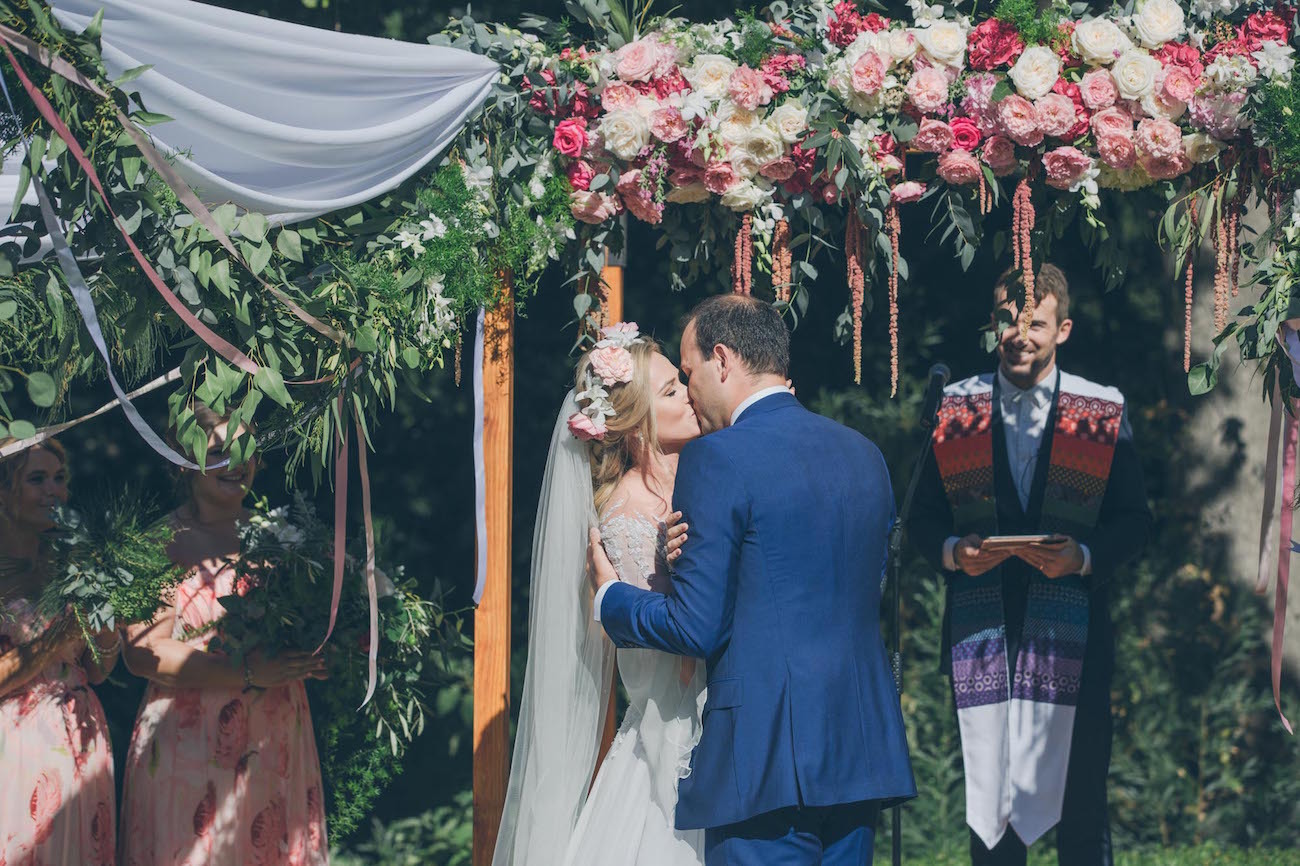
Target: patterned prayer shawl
point(1016, 739)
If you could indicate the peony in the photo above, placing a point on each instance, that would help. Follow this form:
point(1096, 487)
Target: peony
point(959, 167)
point(585, 427)
point(618, 96)
point(710, 75)
point(1166, 168)
point(1064, 166)
point(868, 74)
point(1158, 22)
point(1035, 71)
point(637, 61)
point(790, 120)
point(1019, 120)
point(667, 125)
point(720, 177)
point(745, 196)
point(1112, 121)
point(1099, 42)
point(1177, 84)
point(764, 144)
point(1159, 139)
point(688, 193)
point(1000, 154)
point(1117, 151)
point(1135, 74)
point(1056, 116)
point(593, 208)
point(571, 137)
point(907, 191)
point(943, 41)
point(1097, 89)
point(748, 89)
point(928, 90)
point(625, 133)
point(966, 133)
point(934, 136)
point(1200, 147)
point(779, 169)
point(993, 44)
point(613, 364)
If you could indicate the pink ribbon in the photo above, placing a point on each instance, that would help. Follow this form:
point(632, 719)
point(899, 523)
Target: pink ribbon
point(340, 517)
point(1284, 558)
point(372, 654)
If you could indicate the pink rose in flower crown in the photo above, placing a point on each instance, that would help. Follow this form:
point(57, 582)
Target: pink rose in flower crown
point(934, 136)
point(571, 137)
point(586, 428)
point(613, 364)
point(868, 73)
point(1166, 168)
point(1112, 121)
point(928, 90)
point(966, 133)
point(959, 168)
point(667, 125)
point(1097, 89)
point(1056, 115)
point(748, 89)
point(617, 96)
point(906, 192)
point(999, 153)
point(580, 174)
point(1117, 151)
point(1019, 120)
point(1176, 84)
point(720, 176)
point(593, 208)
point(779, 169)
point(638, 60)
point(993, 44)
point(1158, 138)
point(1064, 166)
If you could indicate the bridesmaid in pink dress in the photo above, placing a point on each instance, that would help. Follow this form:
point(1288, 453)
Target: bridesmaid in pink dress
point(222, 767)
point(55, 760)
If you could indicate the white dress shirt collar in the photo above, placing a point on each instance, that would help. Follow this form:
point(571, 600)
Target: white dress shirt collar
point(1041, 393)
point(755, 397)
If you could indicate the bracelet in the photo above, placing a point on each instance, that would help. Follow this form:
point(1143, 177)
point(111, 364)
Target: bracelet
point(108, 651)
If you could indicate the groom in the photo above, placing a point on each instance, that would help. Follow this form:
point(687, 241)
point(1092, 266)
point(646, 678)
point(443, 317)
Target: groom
point(778, 590)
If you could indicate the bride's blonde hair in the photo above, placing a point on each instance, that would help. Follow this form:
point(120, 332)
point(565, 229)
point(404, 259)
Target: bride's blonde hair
point(631, 430)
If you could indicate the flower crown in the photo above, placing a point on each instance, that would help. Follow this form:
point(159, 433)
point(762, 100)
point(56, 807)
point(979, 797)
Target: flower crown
point(609, 364)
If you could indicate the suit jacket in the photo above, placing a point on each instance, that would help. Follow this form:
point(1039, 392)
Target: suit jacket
point(1123, 525)
point(779, 591)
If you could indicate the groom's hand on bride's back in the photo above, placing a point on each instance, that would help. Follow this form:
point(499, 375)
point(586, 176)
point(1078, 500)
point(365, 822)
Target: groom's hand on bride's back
point(973, 560)
point(600, 570)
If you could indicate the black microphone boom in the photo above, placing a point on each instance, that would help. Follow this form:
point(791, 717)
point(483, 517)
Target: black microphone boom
point(939, 374)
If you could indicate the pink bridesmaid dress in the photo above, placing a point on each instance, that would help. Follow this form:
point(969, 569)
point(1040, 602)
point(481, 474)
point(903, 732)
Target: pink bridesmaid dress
point(56, 766)
point(221, 777)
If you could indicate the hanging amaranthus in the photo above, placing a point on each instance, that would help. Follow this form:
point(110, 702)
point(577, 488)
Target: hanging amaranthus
point(1022, 227)
point(460, 340)
point(894, 226)
point(1222, 260)
point(1192, 245)
point(781, 261)
point(986, 197)
point(742, 265)
point(857, 284)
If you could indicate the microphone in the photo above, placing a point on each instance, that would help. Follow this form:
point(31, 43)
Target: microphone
point(938, 378)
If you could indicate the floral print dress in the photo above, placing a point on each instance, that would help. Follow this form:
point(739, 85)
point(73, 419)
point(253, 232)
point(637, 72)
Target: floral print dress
point(57, 802)
point(219, 776)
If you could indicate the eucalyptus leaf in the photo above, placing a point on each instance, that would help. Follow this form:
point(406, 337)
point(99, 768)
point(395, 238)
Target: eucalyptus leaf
point(41, 389)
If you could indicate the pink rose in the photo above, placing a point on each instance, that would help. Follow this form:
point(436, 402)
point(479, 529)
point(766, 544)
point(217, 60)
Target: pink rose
point(580, 174)
point(1064, 166)
point(1158, 138)
point(571, 137)
point(232, 733)
point(593, 208)
point(928, 90)
point(44, 803)
point(205, 813)
point(1056, 115)
point(748, 89)
point(868, 73)
point(779, 169)
point(907, 191)
point(638, 199)
point(719, 177)
point(992, 44)
point(1176, 84)
point(889, 164)
point(618, 96)
point(1000, 154)
point(1117, 151)
point(1112, 121)
point(830, 194)
point(637, 61)
point(613, 364)
point(1098, 89)
point(934, 136)
point(666, 124)
point(959, 167)
point(1166, 168)
point(585, 427)
point(269, 833)
point(965, 133)
point(1019, 120)
point(978, 102)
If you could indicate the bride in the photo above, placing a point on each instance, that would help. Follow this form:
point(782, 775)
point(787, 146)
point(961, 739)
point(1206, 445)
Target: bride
point(612, 463)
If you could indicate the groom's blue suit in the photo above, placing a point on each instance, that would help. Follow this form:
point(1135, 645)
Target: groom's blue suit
point(778, 590)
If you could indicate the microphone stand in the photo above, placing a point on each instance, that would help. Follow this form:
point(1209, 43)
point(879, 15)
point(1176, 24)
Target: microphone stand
point(895, 579)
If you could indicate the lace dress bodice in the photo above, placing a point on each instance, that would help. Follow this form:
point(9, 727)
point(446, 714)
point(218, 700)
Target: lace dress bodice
point(635, 544)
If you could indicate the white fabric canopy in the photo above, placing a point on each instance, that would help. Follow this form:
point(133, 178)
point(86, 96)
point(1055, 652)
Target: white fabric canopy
point(288, 120)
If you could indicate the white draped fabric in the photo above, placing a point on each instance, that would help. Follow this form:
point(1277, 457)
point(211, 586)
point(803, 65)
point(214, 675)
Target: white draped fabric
point(288, 120)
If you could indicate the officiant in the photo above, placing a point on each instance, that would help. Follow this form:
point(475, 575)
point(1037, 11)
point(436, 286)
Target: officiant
point(1031, 498)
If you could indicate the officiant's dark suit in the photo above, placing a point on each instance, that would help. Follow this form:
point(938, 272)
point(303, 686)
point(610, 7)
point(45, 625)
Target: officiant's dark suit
point(1123, 523)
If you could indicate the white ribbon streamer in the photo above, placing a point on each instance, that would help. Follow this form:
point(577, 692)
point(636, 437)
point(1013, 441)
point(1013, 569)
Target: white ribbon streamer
point(480, 466)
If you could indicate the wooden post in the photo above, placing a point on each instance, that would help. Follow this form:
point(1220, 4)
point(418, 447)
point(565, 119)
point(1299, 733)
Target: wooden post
point(492, 618)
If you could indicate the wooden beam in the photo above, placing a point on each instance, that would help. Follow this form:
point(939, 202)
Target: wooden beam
point(492, 618)
point(612, 277)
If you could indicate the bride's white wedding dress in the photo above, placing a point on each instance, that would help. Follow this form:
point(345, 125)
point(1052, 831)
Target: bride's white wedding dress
point(628, 817)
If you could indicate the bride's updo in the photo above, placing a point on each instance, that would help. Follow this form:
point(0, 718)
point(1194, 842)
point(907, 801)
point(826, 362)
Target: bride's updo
point(616, 406)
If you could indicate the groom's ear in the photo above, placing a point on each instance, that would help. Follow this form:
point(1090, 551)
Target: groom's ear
point(726, 361)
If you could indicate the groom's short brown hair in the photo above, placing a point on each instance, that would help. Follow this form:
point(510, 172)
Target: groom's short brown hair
point(751, 328)
point(1050, 280)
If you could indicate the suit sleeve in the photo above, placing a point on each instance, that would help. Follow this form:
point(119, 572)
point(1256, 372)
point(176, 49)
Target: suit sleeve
point(696, 619)
point(930, 523)
point(1124, 521)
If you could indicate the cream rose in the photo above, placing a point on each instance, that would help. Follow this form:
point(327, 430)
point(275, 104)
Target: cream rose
point(943, 42)
point(745, 196)
point(764, 144)
point(734, 123)
point(710, 75)
point(1158, 22)
point(1035, 71)
point(1135, 74)
point(789, 120)
point(1099, 42)
point(902, 45)
point(691, 193)
point(1201, 147)
point(625, 132)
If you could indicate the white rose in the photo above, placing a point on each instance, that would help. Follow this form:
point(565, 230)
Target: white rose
point(625, 132)
point(865, 41)
point(1135, 74)
point(734, 123)
point(709, 74)
point(1035, 71)
point(789, 120)
point(1099, 42)
point(943, 42)
point(744, 163)
point(1156, 105)
point(1158, 22)
point(745, 196)
point(646, 106)
point(765, 144)
point(902, 45)
point(692, 193)
point(1201, 147)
